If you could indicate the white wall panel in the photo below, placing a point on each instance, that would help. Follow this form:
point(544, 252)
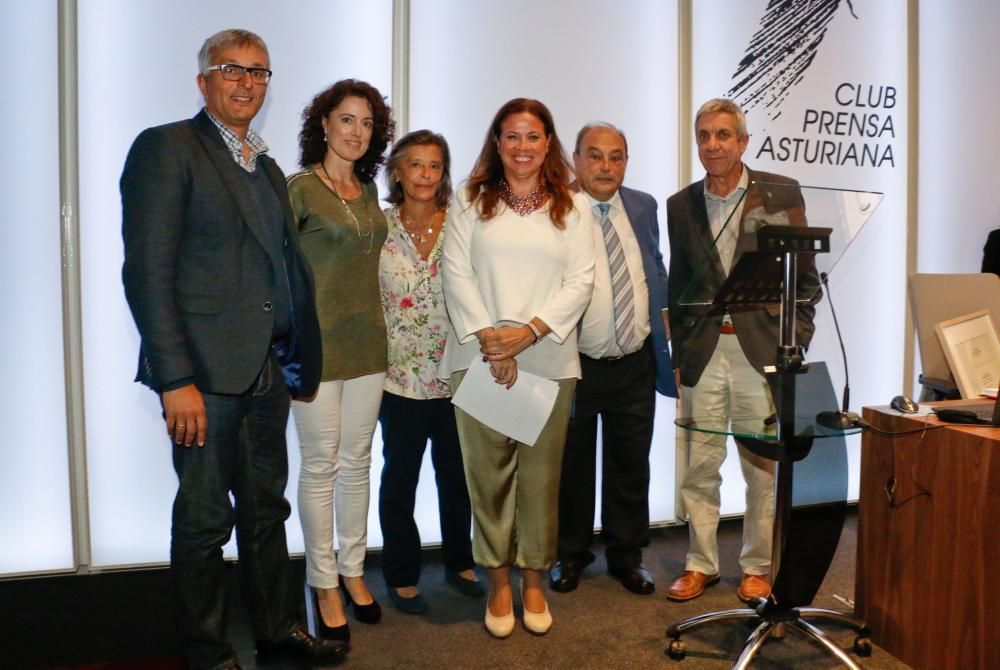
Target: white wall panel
point(137, 69)
point(865, 51)
point(959, 164)
point(586, 61)
point(35, 527)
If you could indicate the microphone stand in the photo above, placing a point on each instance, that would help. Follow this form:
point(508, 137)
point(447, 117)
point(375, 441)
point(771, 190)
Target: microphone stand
point(845, 418)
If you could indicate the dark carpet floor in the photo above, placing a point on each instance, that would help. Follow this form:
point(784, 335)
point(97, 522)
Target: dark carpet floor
point(118, 621)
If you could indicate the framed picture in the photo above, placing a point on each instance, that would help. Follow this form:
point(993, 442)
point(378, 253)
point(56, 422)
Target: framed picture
point(972, 348)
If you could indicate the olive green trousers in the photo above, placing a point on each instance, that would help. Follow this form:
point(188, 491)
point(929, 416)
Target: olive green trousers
point(514, 488)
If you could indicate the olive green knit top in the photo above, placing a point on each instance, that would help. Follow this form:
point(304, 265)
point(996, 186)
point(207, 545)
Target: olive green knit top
point(343, 251)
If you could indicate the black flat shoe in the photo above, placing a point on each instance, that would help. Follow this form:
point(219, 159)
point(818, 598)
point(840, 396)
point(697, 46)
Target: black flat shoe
point(635, 579)
point(370, 613)
point(299, 645)
point(341, 633)
point(467, 587)
point(412, 605)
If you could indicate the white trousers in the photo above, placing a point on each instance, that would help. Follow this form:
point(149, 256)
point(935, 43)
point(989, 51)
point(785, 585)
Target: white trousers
point(335, 437)
point(729, 387)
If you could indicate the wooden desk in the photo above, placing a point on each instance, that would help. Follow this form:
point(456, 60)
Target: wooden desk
point(928, 573)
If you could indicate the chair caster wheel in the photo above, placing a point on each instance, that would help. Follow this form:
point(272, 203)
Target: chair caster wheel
point(863, 646)
point(675, 650)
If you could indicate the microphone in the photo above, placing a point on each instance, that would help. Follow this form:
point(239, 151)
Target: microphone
point(845, 418)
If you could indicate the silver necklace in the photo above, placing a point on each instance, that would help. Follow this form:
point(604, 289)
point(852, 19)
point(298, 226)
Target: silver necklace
point(357, 225)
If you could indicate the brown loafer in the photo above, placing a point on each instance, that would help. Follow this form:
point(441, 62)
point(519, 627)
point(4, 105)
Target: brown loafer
point(753, 586)
point(690, 585)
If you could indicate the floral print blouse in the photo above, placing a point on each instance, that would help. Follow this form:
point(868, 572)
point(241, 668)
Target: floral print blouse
point(415, 316)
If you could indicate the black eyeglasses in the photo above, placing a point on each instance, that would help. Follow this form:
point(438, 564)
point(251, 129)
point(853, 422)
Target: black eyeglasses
point(234, 72)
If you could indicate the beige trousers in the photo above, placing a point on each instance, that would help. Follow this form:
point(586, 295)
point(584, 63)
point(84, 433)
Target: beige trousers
point(514, 488)
point(729, 387)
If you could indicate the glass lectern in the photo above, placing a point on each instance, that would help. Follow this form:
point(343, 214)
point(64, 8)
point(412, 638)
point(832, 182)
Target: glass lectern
point(787, 239)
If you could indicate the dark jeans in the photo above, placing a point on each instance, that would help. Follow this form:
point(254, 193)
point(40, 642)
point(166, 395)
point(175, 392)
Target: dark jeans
point(407, 424)
point(244, 454)
point(623, 393)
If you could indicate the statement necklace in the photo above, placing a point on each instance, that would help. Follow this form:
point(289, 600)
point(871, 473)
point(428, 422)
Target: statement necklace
point(416, 232)
point(357, 225)
point(528, 203)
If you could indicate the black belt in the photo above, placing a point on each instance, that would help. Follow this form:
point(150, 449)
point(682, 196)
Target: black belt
point(615, 359)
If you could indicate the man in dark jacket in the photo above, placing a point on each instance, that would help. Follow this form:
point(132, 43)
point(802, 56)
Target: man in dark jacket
point(223, 300)
point(719, 356)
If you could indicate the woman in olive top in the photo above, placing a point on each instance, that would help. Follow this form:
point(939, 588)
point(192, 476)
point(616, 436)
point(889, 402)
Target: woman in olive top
point(341, 227)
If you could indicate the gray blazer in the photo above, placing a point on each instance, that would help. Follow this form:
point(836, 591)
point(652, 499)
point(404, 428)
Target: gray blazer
point(197, 275)
point(695, 329)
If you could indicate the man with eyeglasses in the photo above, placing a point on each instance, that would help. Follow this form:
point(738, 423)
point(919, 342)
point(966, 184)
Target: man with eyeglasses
point(224, 303)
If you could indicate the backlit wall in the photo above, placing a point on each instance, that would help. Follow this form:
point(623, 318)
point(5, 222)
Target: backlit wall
point(136, 68)
point(585, 65)
point(35, 525)
point(132, 77)
point(825, 98)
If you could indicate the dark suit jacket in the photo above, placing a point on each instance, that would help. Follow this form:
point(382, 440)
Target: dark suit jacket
point(695, 329)
point(197, 275)
point(991, 253)
point(641, 210)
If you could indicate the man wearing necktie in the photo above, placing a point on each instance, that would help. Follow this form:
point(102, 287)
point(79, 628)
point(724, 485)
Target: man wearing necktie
point(720, 357)
point(625, 360)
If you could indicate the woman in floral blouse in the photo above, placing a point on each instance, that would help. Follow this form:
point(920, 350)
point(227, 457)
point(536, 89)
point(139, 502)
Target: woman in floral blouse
point(416, 406)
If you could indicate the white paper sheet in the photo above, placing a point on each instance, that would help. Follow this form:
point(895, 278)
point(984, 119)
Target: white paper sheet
point(519, 413)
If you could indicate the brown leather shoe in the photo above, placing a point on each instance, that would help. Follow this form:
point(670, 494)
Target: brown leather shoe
point(753, 586)
point(690, 585)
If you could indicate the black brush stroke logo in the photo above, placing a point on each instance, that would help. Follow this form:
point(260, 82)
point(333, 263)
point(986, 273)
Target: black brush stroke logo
point(781, 51)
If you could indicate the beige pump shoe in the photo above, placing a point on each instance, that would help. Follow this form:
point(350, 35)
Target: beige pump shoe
point(538, 623)
point(498, 626)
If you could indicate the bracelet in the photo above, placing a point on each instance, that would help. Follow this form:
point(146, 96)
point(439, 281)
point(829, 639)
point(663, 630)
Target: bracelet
point(534, 329)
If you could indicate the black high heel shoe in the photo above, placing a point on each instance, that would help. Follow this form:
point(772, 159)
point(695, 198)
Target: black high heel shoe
point(340, 633)
point(370, 613)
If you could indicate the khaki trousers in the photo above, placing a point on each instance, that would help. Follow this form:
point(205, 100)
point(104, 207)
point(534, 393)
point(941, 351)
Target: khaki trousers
point(729, 387)
point(514, 488)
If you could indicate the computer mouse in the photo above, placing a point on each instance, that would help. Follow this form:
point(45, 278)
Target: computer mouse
point(903, 404)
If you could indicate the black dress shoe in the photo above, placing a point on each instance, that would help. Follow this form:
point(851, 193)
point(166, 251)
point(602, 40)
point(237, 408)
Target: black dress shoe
point(370, 613)
point(340, 633)
point(299, 645)
point(635, 579)
point(564, 576)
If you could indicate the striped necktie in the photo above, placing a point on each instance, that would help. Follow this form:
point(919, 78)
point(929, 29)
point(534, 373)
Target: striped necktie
point(621, 282)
